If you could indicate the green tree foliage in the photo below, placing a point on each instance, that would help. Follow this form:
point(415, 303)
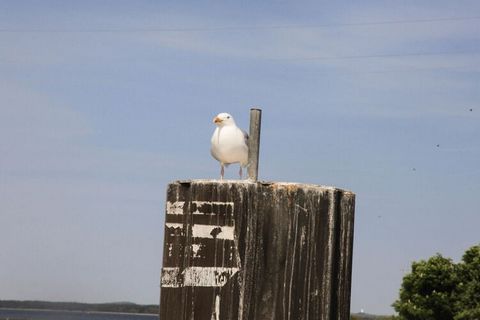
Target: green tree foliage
point(438, 289)
point(427, 293)
point(468, 292)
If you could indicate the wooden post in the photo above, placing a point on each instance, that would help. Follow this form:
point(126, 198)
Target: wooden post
point(254, 143)
point(255, 250)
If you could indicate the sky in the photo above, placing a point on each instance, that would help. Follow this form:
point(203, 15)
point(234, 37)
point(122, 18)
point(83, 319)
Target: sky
point(103, 103)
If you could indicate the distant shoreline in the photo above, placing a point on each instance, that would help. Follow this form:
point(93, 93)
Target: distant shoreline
point(104, 308)
point(80, 311)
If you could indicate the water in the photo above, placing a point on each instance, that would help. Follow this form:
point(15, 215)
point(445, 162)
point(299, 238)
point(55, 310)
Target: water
point(24, 314)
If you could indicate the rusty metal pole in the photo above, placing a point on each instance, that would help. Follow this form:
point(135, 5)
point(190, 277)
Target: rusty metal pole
point(254, 143)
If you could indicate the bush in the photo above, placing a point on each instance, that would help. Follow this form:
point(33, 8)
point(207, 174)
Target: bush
point(438, 289)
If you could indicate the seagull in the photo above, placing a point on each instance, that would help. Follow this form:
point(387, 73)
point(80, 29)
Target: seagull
point(229, 143)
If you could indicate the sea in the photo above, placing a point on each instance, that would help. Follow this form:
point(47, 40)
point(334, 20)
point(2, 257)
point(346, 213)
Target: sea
point(34, 314)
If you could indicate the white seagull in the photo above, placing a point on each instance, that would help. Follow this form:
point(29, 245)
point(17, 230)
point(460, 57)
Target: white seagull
point(229, 143)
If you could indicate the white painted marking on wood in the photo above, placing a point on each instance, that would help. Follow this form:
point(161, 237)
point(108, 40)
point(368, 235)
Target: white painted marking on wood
point(170, 249)
point(174, 225)
point(196, 277)
point(213, 203)
point(170, 277)
point(207, 276)
point(208, 231)
point(195, 249)
point(175, 207)
point(199, 203)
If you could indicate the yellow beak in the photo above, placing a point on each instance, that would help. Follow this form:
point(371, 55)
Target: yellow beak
point(217, 120)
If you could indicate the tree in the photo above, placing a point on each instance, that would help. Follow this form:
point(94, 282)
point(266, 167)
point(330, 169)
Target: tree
point(428, 292)
point(468, 291)
point(438, 289)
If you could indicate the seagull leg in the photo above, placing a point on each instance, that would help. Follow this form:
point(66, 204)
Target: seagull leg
point(222, 171)
point(240, 172)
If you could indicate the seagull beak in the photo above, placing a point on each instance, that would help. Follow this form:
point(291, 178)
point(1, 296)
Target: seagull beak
point(217, 120)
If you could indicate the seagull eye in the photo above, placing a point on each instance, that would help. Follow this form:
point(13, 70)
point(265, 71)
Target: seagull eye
point(228, 117)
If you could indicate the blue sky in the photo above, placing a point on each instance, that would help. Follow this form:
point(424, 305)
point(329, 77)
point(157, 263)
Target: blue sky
point(102, 103)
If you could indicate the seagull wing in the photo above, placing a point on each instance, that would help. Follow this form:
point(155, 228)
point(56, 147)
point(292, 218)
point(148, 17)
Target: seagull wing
point(245, 136)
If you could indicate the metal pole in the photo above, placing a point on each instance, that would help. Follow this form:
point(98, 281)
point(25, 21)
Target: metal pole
point(254, 143)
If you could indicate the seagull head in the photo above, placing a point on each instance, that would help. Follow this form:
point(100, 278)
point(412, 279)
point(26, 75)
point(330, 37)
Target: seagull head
point(223, 119)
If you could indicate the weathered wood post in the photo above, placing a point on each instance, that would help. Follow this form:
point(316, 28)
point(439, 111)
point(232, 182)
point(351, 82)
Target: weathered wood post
point(256, 250)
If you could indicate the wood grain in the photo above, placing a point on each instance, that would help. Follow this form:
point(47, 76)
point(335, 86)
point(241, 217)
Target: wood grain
point(290, 256)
